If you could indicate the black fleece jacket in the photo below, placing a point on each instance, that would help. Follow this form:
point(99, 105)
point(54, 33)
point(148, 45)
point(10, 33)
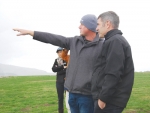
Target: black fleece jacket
point(61, 72)
point(113, 77)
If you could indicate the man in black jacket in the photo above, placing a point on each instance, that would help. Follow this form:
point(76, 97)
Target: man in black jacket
point(60, 66)
point(113, 77)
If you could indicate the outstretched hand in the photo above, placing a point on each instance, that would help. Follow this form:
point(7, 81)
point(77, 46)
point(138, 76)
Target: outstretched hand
point(24, 32)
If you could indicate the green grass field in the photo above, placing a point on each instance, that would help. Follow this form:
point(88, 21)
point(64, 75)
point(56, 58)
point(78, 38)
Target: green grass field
point(37, 94)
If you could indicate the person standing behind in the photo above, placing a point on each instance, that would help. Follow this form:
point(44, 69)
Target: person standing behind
point(113, 77)
point(84, 51)
point(59, 66)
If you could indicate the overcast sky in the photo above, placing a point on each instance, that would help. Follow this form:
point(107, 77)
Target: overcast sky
point(63, 17)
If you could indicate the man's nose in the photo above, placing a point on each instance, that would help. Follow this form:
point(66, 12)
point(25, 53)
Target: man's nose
point(79, 26)
point(97, 29)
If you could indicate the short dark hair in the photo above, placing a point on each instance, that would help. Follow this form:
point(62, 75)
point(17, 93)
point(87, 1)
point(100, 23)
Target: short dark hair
point(110, 16)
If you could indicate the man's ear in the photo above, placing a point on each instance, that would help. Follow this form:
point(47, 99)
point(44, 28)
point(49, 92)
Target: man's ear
point(108, 24)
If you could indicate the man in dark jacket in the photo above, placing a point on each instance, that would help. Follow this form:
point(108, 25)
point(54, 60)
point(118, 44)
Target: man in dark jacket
point(60, 66)
point(84, 51)
point(113, 77)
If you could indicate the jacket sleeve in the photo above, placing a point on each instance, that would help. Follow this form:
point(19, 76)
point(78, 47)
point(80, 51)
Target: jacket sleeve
point(115, 59)
point(57, 68)
point(53, 39)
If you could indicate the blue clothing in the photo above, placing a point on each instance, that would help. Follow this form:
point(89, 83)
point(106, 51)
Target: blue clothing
point(81, 103)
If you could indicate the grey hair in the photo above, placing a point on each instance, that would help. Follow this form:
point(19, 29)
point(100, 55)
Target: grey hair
point(110, 16)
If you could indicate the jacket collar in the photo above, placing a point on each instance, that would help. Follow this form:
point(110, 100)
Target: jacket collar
point(111, 33)
point(96, 39)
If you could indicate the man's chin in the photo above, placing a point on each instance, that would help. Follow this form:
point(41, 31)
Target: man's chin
point(81, 34)
point(101, 36)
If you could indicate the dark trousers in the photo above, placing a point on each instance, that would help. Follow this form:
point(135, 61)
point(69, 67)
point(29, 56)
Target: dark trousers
point(60, 93)
point(108, 109)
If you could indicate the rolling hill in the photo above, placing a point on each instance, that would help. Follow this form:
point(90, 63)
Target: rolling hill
point(10, 70)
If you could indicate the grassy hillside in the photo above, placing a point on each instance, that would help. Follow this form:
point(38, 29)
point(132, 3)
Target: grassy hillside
point(37, 94)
